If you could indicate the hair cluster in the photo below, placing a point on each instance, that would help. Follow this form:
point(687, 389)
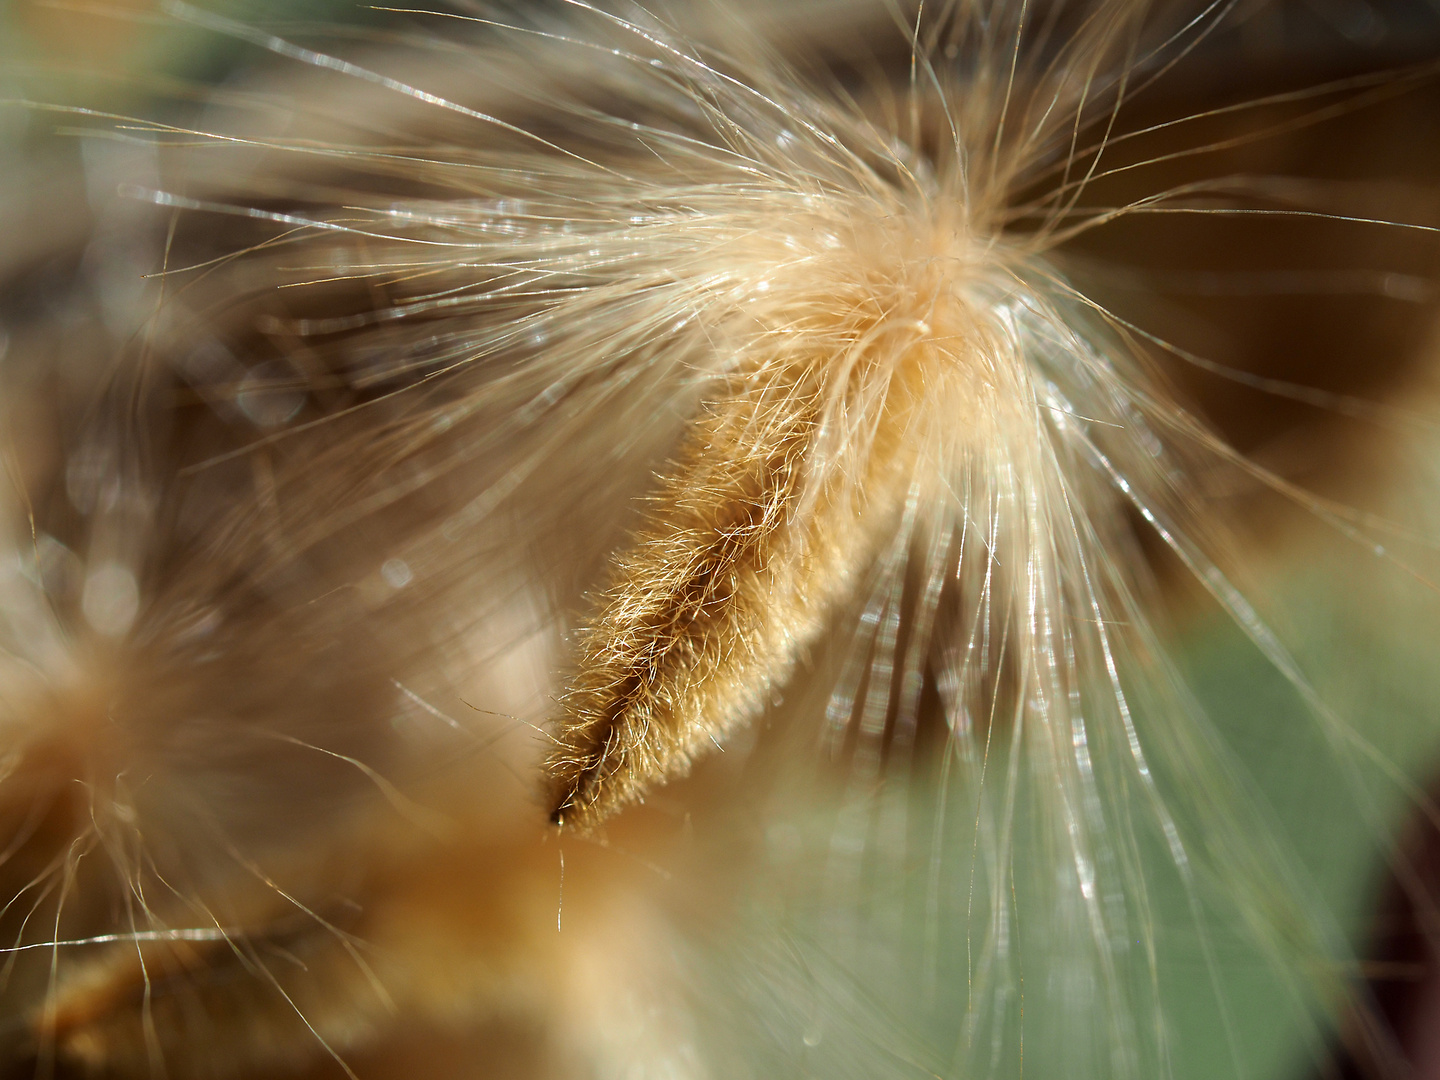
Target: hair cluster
point(642, 543)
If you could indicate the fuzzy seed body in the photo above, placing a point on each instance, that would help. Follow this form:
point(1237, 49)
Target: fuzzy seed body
point(773, 509)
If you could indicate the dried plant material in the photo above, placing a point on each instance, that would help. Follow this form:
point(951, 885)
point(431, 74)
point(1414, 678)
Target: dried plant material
point(852, 353)
point(435, 433)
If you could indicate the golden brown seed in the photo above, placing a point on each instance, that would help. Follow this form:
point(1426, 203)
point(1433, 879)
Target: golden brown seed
point(766, 521)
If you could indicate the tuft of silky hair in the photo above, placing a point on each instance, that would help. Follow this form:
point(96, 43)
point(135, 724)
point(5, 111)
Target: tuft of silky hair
point(596, 542)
